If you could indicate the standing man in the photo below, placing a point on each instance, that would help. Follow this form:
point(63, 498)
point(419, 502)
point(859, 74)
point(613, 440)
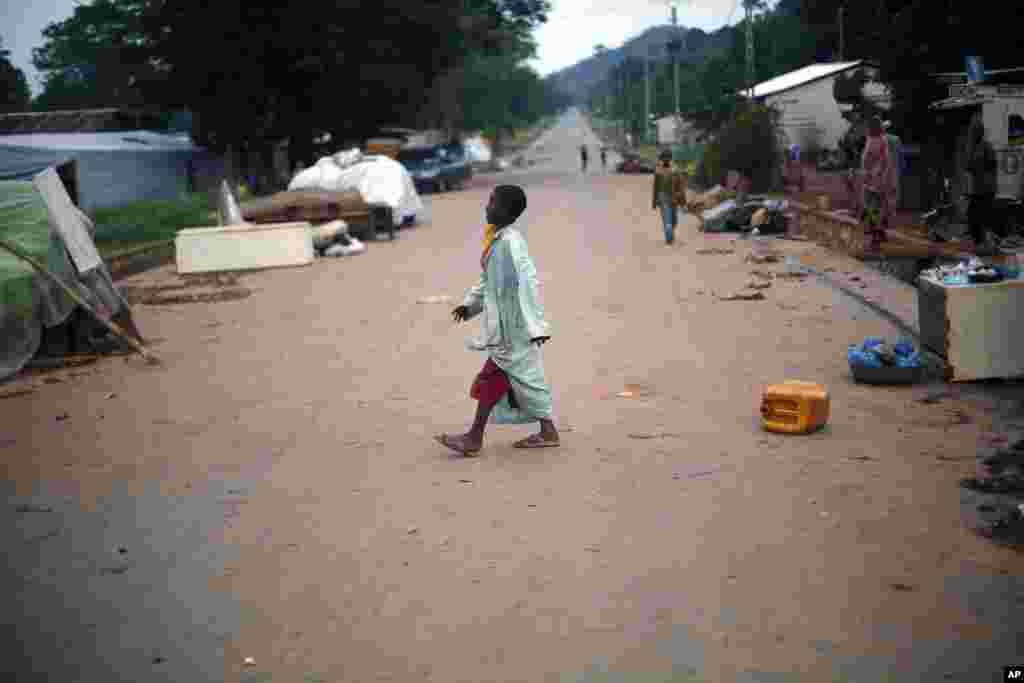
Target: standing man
point(604, 157)
point(982, 169)
point(583, 157)
point(896, 152)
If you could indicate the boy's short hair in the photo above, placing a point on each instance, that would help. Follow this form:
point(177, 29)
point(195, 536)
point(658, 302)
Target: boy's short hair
point(512, 198)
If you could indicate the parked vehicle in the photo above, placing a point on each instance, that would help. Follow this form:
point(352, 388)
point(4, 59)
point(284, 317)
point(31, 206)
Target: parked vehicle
point(437, 167)
point(634, 164)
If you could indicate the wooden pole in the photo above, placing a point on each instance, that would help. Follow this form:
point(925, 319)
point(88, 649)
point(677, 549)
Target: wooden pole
point(109, 324)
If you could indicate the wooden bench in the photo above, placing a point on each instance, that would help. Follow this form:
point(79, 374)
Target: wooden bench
point(317, 206)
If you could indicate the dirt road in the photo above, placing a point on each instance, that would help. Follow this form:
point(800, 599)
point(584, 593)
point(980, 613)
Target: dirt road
point(273, 492)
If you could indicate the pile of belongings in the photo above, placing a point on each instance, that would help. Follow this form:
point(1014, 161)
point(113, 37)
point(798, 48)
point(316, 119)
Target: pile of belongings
point(974, 271)
point(736, 215)
point(876, 353)
point(332, 239)
point(379, 180)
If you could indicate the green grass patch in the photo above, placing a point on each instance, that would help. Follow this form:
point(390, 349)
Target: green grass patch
point(133, 225)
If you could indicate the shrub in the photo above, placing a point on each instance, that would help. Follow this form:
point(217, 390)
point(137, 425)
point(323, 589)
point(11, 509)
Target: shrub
point(747, 143)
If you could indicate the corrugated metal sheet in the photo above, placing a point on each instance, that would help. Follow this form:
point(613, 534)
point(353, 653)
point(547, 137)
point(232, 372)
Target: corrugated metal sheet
point(795, 79)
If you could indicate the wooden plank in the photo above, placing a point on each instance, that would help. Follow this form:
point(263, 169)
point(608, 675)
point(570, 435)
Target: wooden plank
point(244, 247)
point(68, 221)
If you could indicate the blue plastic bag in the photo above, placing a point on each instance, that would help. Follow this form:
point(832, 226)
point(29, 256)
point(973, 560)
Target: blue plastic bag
point(862, 358)
point(911, 361)
point(905, 348)
point(872, 342)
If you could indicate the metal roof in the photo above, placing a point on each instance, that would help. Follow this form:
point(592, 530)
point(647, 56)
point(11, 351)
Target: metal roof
point(794, 79)
point(126, 141)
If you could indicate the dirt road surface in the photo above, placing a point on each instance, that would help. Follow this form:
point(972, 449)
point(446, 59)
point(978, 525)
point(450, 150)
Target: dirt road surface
point(273, 491)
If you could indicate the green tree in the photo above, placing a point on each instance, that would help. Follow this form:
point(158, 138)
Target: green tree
point(94, 58)
point(15, 95)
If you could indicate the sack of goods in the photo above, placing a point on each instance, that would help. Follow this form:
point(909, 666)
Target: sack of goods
point(326, 234)
point(352, 247)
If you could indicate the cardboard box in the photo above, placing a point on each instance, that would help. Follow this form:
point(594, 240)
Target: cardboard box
point(977, 328)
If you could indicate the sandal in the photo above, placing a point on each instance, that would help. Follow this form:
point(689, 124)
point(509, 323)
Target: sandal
point(536, 441)
point(457, 446)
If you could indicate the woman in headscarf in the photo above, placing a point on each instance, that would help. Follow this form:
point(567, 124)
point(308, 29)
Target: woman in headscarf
point(669, 193)
point(879, 169)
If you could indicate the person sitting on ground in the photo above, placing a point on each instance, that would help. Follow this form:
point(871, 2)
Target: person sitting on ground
point(511, 388)
point(669, 193)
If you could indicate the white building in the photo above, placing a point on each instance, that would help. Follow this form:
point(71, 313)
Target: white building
point(810, 115)
point(669, 135)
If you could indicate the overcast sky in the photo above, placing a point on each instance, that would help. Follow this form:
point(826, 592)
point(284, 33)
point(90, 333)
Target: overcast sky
point(573, 29)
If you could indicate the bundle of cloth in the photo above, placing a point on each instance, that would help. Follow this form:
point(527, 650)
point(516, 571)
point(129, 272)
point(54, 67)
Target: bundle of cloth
point(378, 179)
point(734, 215)
point(332, 239)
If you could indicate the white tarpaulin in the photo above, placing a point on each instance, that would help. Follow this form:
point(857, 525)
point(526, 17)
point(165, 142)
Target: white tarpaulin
point(378, 179)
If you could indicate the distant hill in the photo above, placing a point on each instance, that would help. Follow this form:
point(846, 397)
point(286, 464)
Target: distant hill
point(577, 80)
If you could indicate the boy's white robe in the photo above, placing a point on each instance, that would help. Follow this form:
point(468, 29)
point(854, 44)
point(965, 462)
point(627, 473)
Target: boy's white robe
point(508, 299)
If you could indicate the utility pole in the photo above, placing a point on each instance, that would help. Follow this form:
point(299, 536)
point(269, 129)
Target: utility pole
point(647, 98)
point(676, 50)
point(842, 34)
point(749, 7)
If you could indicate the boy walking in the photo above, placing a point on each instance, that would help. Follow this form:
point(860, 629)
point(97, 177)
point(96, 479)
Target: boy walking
point(511, 388)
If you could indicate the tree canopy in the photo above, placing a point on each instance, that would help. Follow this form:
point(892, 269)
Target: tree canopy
point(15, 94)
point(256, 71)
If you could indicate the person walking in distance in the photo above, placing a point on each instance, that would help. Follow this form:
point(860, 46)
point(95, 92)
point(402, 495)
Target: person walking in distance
point(604, 157)
point(669, 193)
point(583, 157)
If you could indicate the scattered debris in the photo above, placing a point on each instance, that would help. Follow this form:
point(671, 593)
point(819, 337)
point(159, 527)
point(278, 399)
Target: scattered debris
point(758, 285)
point(762, 274)
point(62, 417)
point(159, 660)
point(744, 296)
point(903, 587)
point(442, 299)
point(860, 458)
point(412, 530)
point(110, 396)
point(17, 392)
point(249, 661)
point(715, 251)
point(28, 509)
point(762, 258)
point(114, 571)
point(661, 435)
point(934, 397)
point(794, 275)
